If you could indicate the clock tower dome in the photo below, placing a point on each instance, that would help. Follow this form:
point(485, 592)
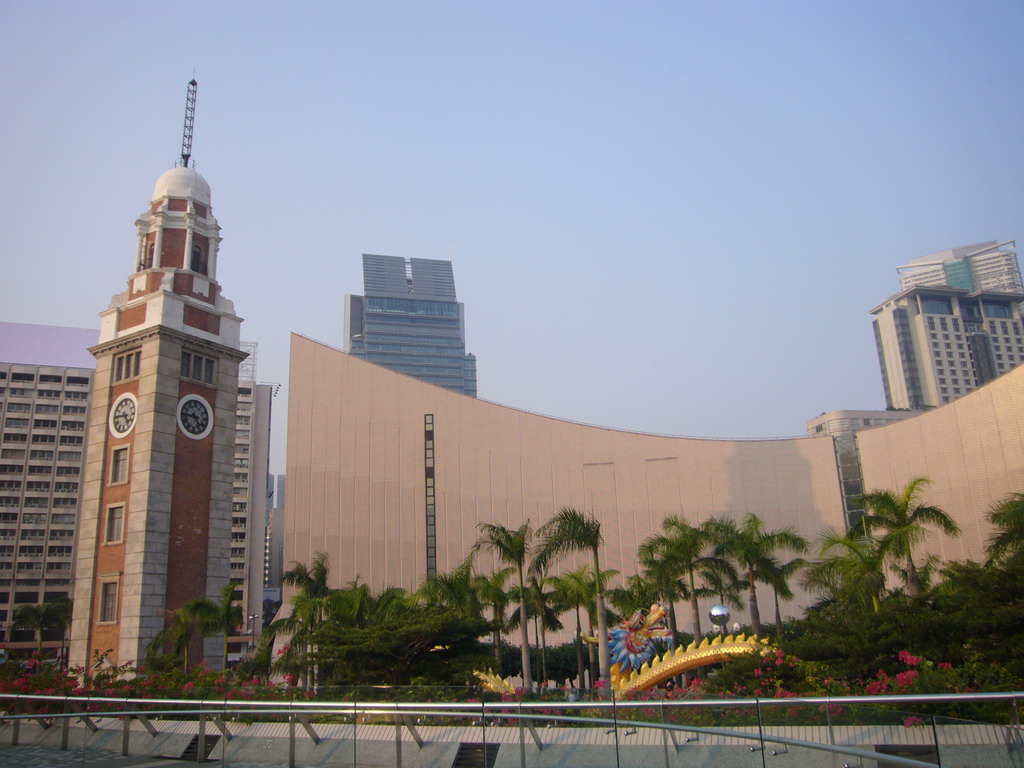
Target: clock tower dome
point(155, 524)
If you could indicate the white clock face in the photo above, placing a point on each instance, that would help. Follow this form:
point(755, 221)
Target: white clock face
point(122, 415)
point(195, 416)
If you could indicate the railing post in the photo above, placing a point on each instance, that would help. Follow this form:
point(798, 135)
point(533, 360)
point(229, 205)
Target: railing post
point(201, 751)
point(760, 734)
point(522, 738)
point(355, 736)
point(398, 738)
point(935, 736)
point(126, 728)
point(615, 726)
point(16, 731)
point(291, 740)
point(664, 734)
point(483, 725)
point(65, 726)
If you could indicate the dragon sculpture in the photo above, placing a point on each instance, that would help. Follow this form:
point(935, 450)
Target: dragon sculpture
point(635, 665)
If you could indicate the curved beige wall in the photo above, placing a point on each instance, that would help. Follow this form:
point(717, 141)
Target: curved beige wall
point(356, 474)
point(971, 449)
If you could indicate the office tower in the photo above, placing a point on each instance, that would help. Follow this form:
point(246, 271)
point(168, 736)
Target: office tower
point(156, 504)
point(273, 560)
point(44, 393)
point(986, 266)
point(937, 343)
point(410, 321)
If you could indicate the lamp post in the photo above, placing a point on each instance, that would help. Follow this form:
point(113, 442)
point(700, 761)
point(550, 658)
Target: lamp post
point(250, 627)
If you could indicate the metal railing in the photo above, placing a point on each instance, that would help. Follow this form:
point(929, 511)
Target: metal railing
point(817, 729)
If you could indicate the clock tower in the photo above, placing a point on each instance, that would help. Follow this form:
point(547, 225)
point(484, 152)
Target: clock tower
point(155, 524)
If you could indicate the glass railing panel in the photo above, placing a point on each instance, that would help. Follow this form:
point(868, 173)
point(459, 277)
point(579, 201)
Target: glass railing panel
point(882, 730)
point(965, 743)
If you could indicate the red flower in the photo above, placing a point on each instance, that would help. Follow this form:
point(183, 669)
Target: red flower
point(903, 679)
point(910, 661)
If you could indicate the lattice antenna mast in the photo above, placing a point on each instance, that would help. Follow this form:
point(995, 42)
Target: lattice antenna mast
point(190, 118)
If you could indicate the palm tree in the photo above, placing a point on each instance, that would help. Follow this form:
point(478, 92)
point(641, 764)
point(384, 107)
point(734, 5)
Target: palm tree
point(492, 592)
point(309, 604)
point(455, 591)
point(42, 617)
point(684, 551)
point(543, 614)
point(727, 587)
point(512, 548)
point(197, 615)
point(229, 616)
point(778, 575)
point(903, 522)
point(574, 531)
point(849, 567)
point(638, 594)
point(1007, 516)
point(753, 548)
point(571, 592)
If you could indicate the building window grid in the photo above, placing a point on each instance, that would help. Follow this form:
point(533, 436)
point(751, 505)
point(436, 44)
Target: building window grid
point(430, 506)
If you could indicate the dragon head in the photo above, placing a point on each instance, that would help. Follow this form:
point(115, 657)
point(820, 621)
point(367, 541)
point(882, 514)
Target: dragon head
point(654, 623)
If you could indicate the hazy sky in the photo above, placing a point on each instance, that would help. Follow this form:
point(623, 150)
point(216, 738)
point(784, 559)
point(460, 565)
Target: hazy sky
point(667, 217)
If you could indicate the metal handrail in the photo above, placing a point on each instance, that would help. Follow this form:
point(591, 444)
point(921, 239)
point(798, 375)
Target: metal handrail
point(923, 698)
point(522, 712)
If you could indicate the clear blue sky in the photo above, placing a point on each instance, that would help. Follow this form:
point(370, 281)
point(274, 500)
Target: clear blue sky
point(668, 217)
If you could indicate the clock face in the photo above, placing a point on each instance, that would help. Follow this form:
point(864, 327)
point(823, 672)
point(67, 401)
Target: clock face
point(195, 417)
point(122, 415)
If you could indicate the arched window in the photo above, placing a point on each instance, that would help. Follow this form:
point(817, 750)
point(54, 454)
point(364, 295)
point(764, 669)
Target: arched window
point(198, 263)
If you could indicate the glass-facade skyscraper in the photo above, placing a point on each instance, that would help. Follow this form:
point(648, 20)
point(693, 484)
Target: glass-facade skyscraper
point(409, 320)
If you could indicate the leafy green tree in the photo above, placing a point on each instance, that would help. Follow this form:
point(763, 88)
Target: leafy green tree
point(512, 548)
point(391, 638)
point(574, 531)
point(971, 621)
point(903, 523)
point(39, 618)
point(684, 551)
point(1007, 516)
point(753, 548)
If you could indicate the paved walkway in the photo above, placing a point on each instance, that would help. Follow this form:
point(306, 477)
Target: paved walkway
point(34, 756)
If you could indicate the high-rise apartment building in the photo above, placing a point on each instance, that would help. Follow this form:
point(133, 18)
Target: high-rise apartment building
point(251, 487)
point(937, 343)
point(988, 266)
point(409, 320)
point(44, 395)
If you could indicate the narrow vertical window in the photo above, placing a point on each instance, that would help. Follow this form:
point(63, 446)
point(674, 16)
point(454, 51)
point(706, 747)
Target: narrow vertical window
point(108, 602)
point(114, 532)
point(119, 465)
